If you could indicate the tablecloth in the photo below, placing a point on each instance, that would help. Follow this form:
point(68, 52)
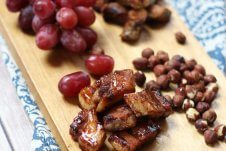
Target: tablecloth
point(205, 18)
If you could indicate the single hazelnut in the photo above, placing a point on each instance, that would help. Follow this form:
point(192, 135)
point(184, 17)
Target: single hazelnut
point(221, 131)
point(209, 96)
point(183, 67)
point(178, 101)
point(153, 61)
point(174, 76)
point(210, 136)
point(140, 63)
point(195, 76)
point(152, 85)
point(210, 79)
point(163, 56)
point(191, 63)
point(188, 104)
point(198, 97)
point(201, 125)
point(174, 64)
point(192, 114)
point(200, 69)
point(159, 13)
point(189, 77)
point(180, 37)
point(190, 91)
point(178, 58)
point(169, 99)
point(212, 87)
point(163, 81)
point(96, 50)
point(201, 107)
point(159, 70)
point(209, 115)
point(180, 91)
point(147, 53)
point(140, 78)
point(200, 86)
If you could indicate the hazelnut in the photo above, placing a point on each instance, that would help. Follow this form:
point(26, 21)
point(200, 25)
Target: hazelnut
point(183, 83)
point(192, 114)
point(201, 125)
point(97, 50)
point(140, 63)
point(195, 77)
point(173, 86)
point(198, 97)
point(221, 131)
point(210, 79)
point(163, 81)
point(188, 104)
point(202, 107)
point(173, 64)
point(212, 87)
point(169, 99)
point(152, 85)
point(210, 136)
point(174, 76)
point(147, 53)
point(191, 64)
point(159, 13)
point(163, 56)
point(200, 86)
point(178, 100)
point(209, 115)
point(200, 69)
point(140, 78)
point(178, 58)
point(180, 37)
point(183, 68)
point(190, 91)
point(180, 91)
point(159, 70)
point(153, 61)
point(209, 96)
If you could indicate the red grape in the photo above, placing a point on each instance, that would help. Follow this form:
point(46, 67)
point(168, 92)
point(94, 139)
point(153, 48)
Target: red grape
point(44, 8)
point(73, 41)
point(47, 37)
point(67, 18)
point(88, 34)
point(86, 16)
point(70, 85)
point(16, 5)
point(99, 65)
point(65, 3)
point(25, 18)
point(37, 23)
point(87, 3)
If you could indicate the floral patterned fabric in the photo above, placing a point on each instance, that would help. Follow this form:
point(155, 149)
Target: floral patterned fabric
point(205, 18)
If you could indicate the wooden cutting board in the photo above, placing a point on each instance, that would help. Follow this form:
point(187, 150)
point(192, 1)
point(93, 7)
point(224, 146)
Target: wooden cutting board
point(43, 69)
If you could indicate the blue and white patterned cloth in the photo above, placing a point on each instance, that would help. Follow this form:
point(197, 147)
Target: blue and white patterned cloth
point(205, 18)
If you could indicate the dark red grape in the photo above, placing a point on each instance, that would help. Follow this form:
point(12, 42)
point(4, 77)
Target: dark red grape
point(47, 37)
point(99, 65)
point(16, 5)
point(87, 3)
point(44, 8)
point(37, 23)
point(25, 18)
point(73, 41)
point(88, 34)
point(67, 18)
point(86, 16)
point(70, 85)
point(65, 3)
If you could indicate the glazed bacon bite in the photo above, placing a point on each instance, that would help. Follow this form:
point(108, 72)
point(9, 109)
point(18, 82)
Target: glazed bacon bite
point(85, 98)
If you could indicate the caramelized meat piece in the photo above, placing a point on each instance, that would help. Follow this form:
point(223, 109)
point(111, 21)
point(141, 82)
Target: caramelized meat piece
point(136, 4)
point(112, 88)
point(119, 118)
point(123, 141)
point(159, 13)
point(131, 31)
point(88, 131)
point(143, 104)
point(114, 13)
point(85, 98)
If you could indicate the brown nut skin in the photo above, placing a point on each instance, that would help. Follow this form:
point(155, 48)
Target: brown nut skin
point(212, 87)
point(209, 79)
point(152, 85)
point(175, 76)
point(140, 63)
point(190, 91)
point(198, 97)
point(163, 56)
point(191, 64)
point(201, 107)
point(147, 53)
point(200, 86)
point(180, 37)
point(200, 69)
point(188, 104)
point(173, 64)
point(153, 61)
point(169, 99)
point(178, 58)
point(163, 81)
point(210, 137)
point(192, 77)
point(159, 13)
point(183, 68)
point(201, 125)
point(159, 70)
point(140, 78)
point(210, 116)
point(209, 96)
point(178, 101)
point(221, 131)
point(192, 114)
point(180, 91)
point(96, 50)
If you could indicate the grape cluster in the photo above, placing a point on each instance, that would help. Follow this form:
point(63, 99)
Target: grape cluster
point(57, 21)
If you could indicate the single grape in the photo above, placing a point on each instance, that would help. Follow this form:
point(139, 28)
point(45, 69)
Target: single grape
point(25, 18)
point(88, 34)
point(16, 5)
point(87, 3)
point(67, 18)
point(99, 65)
point(44, 8)
point(47, 37)
point(73, 41)
point(70, 85)
point(65, 3)
point(86, 16)
point(37, 23)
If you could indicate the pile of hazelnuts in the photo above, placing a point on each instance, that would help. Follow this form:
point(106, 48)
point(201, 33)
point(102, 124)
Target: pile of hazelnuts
point(194, 89)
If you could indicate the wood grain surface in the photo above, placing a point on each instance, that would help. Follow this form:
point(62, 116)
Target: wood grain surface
point(43, 69)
